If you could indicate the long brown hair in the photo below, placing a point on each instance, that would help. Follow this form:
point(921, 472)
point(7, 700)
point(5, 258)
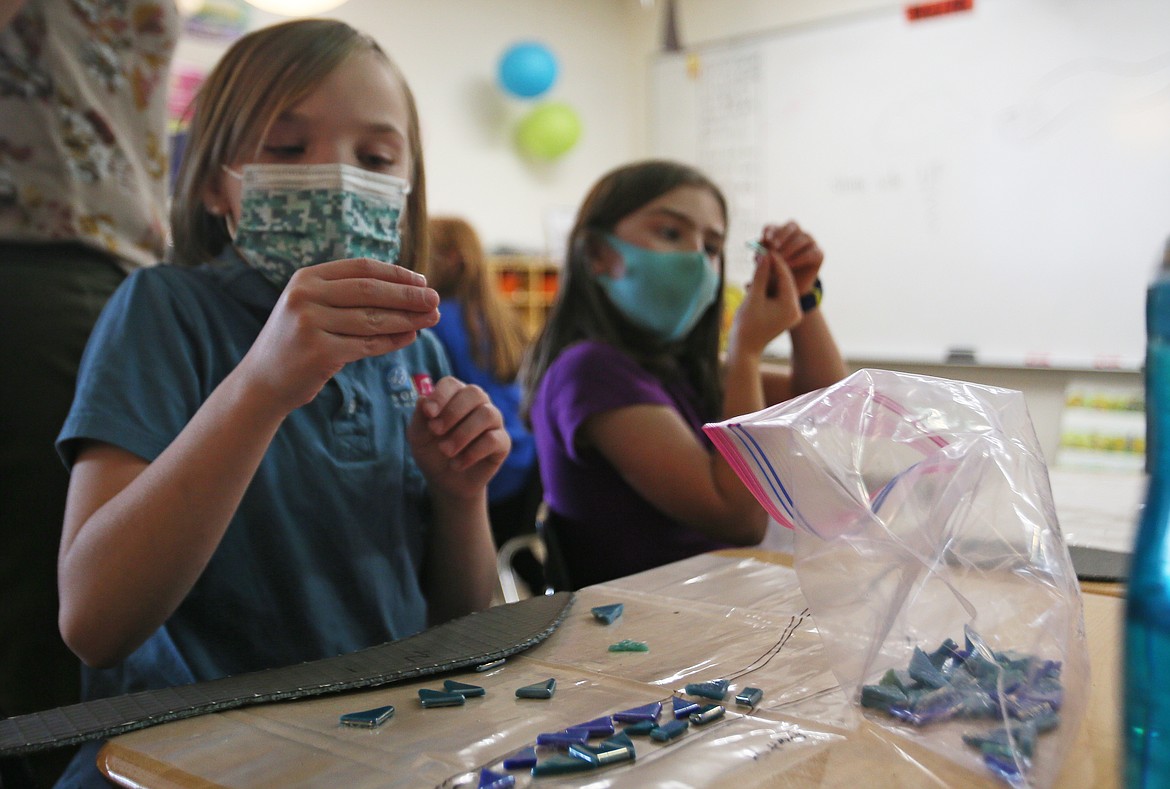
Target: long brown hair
point(582, 311)
point(458, 270)
point(259, 77)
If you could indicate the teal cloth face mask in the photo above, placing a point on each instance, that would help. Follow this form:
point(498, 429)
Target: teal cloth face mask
point(293, 216)
point(664, 292)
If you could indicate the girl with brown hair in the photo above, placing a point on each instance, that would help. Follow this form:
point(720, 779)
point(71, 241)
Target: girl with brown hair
point(486, 342)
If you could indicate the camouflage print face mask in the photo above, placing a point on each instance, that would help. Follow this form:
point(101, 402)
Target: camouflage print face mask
point(293, 216)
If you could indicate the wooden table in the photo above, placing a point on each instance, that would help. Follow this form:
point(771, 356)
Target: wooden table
point(710, 616)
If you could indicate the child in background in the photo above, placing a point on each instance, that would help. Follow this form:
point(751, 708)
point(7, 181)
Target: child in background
point(627, 371)
point(269, 462)
point(485, 342)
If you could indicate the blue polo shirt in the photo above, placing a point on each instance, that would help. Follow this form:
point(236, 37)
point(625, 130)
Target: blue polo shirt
point(325, 553)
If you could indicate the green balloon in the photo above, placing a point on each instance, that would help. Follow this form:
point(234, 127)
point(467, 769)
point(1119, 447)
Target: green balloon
point(549, 131)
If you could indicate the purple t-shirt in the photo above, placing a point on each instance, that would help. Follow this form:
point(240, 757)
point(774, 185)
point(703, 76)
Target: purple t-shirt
point(605, 530)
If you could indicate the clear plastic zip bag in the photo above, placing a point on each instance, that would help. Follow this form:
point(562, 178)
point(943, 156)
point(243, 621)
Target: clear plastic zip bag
point(928, 548)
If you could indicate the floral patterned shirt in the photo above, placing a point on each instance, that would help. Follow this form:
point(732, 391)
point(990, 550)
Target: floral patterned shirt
point(83, 134)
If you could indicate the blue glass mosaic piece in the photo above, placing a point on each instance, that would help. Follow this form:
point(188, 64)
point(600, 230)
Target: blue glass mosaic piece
point(523, 759)
point(883, 697)
point(629, 645)
point(559, 764)
point(562, 739)
point(669, 730)
point(897, 678)
point(439, 698)
point(640, 727)
point(539, 690)
point(608, 613)
point(598, 727)
point(646, 712)
point(924, 672)
point(947, 656)
point(463, 689)
point(928, 707)
point(683, 707)
point(716, 689)
point(368, 719)
point(749, 697)
point(1000, 741)
point(490, 780)
point(706, 714)
point(603, 754)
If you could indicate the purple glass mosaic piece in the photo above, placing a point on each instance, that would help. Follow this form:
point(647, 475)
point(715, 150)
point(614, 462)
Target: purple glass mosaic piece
point(523, 759)
point(562, 739)
point(634, 714)
point(490, 780)
point(683, 707)
point(598, 727)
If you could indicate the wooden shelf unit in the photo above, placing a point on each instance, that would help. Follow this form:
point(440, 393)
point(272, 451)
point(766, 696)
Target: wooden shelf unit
point(529, 283)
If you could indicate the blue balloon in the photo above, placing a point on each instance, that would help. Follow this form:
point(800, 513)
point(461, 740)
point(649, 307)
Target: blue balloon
point(527, 69)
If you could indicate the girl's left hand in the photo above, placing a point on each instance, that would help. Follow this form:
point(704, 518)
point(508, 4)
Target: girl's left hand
point(798, 250)
point(458, 438)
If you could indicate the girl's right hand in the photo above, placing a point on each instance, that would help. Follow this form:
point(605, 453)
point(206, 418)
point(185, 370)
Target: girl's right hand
point(331, 314)
point(785, 268)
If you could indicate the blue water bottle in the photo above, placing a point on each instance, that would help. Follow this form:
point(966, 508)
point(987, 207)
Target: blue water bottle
point(1147, 613)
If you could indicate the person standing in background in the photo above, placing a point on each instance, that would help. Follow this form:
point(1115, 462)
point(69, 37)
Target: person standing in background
point(83, 167)
point(486, 342)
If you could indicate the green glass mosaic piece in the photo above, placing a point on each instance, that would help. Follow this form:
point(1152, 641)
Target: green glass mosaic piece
point(627, 645)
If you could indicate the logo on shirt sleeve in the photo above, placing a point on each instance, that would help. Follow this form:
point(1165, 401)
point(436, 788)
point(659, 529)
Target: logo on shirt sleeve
point(400, 387)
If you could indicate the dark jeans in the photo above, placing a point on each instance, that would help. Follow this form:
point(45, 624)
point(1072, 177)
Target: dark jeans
point(50, 297)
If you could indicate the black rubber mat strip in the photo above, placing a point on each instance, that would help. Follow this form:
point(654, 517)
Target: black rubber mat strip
point(468, 641)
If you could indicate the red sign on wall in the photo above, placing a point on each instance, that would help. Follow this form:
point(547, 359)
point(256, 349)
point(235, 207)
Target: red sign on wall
point(925, 10)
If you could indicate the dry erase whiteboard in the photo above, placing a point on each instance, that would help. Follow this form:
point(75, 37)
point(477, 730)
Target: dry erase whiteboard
point(997, 179)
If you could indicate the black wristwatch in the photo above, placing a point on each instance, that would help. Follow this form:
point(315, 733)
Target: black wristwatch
point(811, 300)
